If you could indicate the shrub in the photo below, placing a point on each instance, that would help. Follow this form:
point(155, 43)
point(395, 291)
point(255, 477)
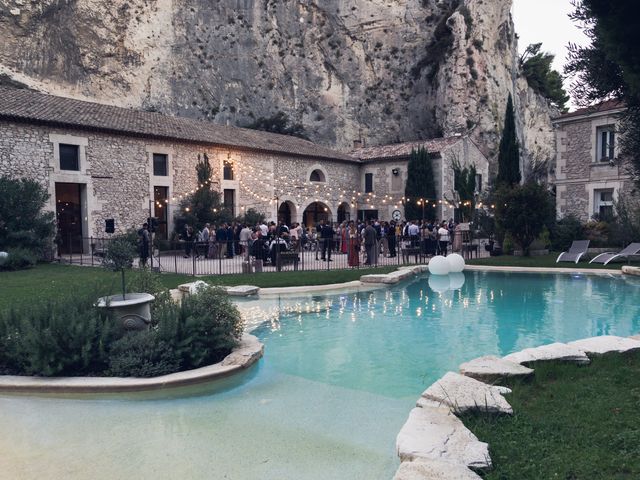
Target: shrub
point(67, 337)
point(23, 224)
point(73, 337)
point(597, 233)
point(203, 329)
point(142, 354)
point(19, 259)
point(523, 211)
point(566, 231)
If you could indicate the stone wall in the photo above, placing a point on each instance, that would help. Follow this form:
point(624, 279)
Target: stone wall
point(577, 173)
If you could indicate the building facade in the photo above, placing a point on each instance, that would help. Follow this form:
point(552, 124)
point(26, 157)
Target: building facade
point(589, 173)
point(106, 165)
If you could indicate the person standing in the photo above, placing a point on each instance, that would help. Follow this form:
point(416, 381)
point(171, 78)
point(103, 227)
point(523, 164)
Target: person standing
point(391, 239)
point(188, 240)
point(370, 236)
point(144, 240)
point(443, 238)
point(354, 245)
point(326, 237)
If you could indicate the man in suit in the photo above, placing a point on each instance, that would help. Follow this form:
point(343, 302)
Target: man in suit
point(370, 238)
point(326, 237)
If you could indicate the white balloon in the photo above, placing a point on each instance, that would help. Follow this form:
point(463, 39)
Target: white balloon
point(438, 265)
point(439, 283)
point(456, 263)
point(456, 280)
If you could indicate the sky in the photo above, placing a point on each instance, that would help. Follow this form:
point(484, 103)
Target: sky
point(547, 21)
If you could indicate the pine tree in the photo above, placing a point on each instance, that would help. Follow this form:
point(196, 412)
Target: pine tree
point(420, 186)
point(202, 206)
point(509, 154)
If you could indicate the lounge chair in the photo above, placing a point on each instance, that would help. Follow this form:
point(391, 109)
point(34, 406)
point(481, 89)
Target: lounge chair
point(604, 258)
point(578, 248)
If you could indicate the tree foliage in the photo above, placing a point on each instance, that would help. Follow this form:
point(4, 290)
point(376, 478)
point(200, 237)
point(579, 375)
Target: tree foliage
point(523, 211)
point(23, 224)
point(203, 206)
point(609, 67)
point(536, 67)
point(509, 153)
point(279, 123)
point(252, 217)
point(464, 183)
point(419, 186)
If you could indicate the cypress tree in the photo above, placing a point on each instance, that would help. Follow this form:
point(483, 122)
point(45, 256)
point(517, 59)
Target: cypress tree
point(420, 185)
point(509, 154)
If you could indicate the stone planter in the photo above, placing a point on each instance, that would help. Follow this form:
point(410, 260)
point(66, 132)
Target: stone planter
point(133, 313)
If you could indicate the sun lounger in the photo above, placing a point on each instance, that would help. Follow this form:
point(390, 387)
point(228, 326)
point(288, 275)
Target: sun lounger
point(604, 258)
point(578, 248)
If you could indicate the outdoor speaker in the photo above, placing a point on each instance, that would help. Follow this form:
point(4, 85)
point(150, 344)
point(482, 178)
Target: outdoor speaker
point(109, 225)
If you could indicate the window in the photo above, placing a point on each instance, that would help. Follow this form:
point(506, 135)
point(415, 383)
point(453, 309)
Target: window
point(160, 164)
point(478, 183)
point(227, 170)
point(604, 203)
point(230, 200)
point(368, 182)
point(69, 157)
point(317, 176)
point(606, 143)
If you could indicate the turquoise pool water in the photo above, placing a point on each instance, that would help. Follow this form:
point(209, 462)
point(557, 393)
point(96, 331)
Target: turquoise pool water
point(339, 377)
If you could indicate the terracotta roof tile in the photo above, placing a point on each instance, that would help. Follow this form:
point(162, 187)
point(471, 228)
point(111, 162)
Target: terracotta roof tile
point(402, 150)
point(598, 108)
point(30, 106)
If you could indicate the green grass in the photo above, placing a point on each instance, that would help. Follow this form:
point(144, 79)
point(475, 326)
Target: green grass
point(546, 261)
point(48, 281)
point(569, 423)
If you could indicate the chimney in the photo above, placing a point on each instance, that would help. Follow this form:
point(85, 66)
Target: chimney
point(357, 144)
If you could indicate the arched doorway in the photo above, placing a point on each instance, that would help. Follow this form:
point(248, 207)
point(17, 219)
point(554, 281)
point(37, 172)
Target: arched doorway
point(343, 212)
point(286, 212)
point(314, 213)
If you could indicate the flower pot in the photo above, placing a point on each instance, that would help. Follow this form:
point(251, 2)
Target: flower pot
point(133, 312)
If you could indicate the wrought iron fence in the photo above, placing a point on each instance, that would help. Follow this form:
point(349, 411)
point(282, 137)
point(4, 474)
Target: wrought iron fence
point(275, 255)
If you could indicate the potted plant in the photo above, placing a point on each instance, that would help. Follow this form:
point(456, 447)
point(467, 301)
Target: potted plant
point(133, 309)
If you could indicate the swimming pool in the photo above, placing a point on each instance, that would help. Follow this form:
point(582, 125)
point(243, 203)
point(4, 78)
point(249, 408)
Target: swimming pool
point(339, 377)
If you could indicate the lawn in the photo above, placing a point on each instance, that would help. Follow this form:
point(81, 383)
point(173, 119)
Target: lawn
point(51, 280)
point(569, 422)
point(546, 261)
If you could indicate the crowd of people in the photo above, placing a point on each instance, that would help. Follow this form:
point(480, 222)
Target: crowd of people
point(362, 241)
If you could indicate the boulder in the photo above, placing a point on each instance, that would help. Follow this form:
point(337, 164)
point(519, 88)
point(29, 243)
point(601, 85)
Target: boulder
point(463, 394)
point(434, 470)
point(242, 290)
point(605, 344)
point(437, 434)
point(377, 278)
point(629, 270)
point(491, 369)
point(554, 351)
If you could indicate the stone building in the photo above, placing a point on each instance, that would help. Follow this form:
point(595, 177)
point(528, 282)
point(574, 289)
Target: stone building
point(102, 163)
point(384, 172)
point(589, 172)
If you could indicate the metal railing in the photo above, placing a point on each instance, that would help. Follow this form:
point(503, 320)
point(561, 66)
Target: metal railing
point(275, 255)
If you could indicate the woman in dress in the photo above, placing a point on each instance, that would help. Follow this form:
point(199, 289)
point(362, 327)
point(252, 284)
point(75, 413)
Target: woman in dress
point(354, 245)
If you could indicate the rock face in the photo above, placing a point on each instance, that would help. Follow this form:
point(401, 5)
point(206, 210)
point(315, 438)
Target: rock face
point(379, 70)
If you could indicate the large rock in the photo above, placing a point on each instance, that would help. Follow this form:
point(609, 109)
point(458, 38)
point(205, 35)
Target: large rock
point(553, 352)
point(437, 434)
point(434, 470)
point(629, 270)
point(463, 394)
point(242, 290)
point(605, 344)
point(491, 369)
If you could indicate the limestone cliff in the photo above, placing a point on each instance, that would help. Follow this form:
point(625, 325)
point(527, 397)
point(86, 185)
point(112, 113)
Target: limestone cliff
point(378, 70)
